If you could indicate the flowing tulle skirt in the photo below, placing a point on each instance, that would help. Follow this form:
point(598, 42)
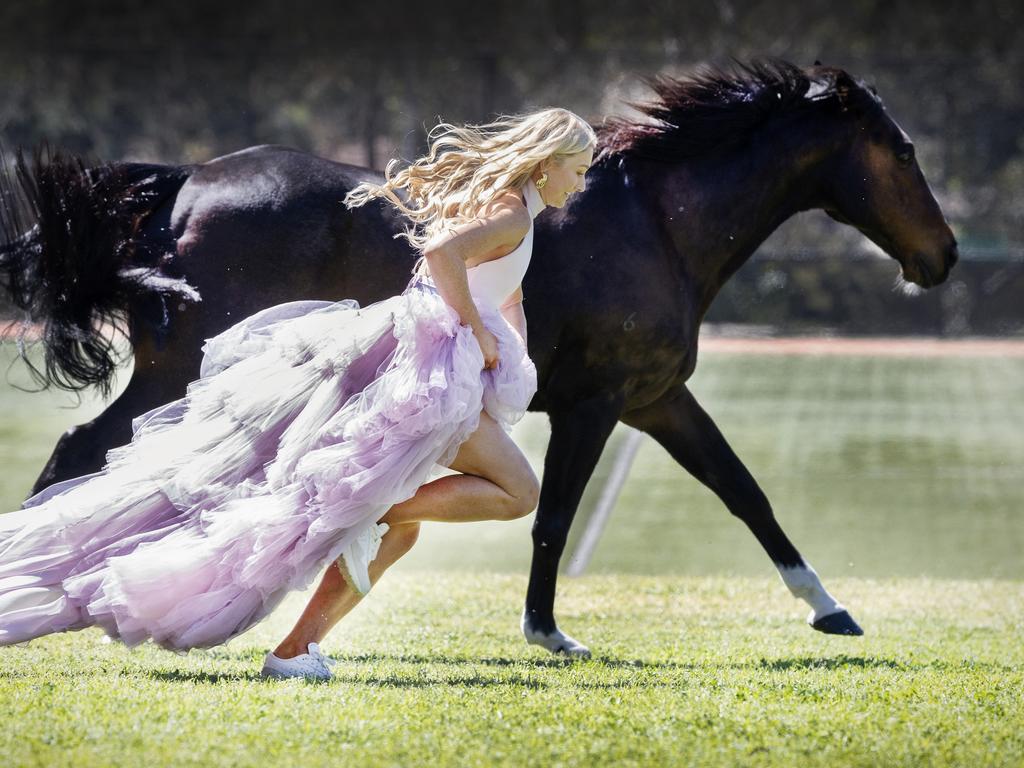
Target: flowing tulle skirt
point(309, 420)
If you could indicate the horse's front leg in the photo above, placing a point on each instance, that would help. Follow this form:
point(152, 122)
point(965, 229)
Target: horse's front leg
point(578, 435)
point(678, 422)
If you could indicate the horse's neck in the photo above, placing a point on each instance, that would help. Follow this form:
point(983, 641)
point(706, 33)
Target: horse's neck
point(733, 205)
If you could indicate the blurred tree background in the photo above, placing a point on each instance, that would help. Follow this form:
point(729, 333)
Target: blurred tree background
point(363, 82)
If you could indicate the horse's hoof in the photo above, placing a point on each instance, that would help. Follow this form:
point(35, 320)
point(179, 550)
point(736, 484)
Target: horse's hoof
point(557, 642)
point(560, 644)
point(838, 624)
point(573, 649)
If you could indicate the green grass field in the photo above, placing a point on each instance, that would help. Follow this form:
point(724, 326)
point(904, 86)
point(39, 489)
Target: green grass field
point(688, 671)
point(901, 480)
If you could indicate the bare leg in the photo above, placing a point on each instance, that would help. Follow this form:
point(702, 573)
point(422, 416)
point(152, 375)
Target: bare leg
point(498, 484)
point(334, 598)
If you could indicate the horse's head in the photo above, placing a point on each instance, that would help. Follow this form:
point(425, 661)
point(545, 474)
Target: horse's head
point(872, 181)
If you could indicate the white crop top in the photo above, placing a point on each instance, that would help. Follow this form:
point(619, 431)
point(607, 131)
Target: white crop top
point(494, 281)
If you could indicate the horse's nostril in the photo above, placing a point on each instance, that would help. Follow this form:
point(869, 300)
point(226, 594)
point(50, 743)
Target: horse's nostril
point(953, 255)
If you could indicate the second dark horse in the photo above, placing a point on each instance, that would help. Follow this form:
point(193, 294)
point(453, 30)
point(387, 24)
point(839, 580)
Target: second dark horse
point(619, 283)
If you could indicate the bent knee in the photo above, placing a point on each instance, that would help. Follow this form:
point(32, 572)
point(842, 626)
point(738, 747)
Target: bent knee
point(525, 498)
point(405, 535)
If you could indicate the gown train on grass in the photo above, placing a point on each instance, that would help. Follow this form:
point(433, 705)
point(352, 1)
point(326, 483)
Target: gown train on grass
point(309, 420)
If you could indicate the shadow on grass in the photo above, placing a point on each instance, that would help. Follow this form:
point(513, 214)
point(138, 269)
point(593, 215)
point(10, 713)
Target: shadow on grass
point(385, 680)
point(199, 676)
point(524, 680)
point(470, 681)
point(802, 662)
point(842, 661)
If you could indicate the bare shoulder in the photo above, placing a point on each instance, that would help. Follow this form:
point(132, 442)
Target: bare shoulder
point(500, 223)
point(507, 213)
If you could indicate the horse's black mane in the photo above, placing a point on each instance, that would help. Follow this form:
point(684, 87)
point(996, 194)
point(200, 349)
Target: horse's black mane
point(715, 108)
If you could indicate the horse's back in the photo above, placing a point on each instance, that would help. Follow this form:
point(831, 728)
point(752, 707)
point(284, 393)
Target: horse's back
point(268, 178)
point(277, 201)
point(267, 225)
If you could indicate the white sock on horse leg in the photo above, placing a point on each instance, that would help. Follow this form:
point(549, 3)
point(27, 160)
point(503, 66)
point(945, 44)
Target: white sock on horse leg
point(556, 642)
point(803, 582)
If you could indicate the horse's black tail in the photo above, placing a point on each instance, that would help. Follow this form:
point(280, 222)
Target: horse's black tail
point(72, 261)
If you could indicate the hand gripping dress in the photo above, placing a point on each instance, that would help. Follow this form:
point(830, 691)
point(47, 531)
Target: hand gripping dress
point(310, 419)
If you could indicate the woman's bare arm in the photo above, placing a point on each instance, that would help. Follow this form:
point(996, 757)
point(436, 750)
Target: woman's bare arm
point(502, 224)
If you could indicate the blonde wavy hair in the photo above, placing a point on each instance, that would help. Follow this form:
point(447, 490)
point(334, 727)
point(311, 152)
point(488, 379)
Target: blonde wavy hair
point(468, 166)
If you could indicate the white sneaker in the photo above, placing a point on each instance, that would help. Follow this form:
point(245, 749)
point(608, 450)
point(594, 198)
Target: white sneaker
point(313, 665)
point(355, 559)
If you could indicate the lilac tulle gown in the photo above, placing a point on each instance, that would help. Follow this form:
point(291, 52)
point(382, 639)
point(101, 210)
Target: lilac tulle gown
point(310, 419)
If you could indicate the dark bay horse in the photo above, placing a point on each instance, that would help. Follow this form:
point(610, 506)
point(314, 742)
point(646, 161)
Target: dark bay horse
point(619, 282)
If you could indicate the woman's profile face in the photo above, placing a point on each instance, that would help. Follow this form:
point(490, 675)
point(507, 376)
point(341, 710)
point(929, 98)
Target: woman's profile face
point(565, 176)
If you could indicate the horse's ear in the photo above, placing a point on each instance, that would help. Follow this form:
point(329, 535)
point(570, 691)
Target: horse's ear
point(817, 63)
point(844, 84)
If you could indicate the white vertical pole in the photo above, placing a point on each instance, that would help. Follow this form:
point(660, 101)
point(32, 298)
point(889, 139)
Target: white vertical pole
point(598, 519)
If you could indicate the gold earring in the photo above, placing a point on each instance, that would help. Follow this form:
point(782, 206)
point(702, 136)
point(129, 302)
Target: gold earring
point(539, 183)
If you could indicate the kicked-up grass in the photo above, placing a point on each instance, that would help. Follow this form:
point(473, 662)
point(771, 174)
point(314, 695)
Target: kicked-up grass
point(432, 671)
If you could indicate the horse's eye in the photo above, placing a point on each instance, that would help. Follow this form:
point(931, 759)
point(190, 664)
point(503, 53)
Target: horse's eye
point(906, 157)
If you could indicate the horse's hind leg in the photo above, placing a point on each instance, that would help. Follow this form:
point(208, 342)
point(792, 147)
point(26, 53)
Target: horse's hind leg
point(684, 429)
